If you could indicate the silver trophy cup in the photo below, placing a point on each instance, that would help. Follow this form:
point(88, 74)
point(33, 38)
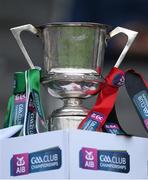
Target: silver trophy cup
point(73, 58)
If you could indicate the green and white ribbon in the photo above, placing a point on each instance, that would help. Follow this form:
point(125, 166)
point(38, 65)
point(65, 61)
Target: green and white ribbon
point(35, 119)
point(24, 106)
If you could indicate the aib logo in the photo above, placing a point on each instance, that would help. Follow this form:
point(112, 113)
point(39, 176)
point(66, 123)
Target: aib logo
point(119, 80)
point(44, 160)
point(89, 158)
point(20, 164)
point(97, 117)
point(106, 160)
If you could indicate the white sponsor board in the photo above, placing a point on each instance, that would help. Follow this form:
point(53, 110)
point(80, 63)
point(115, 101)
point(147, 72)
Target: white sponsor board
point(74, 154)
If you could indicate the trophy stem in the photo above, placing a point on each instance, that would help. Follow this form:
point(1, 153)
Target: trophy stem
point(69, 116)
point(73, 102)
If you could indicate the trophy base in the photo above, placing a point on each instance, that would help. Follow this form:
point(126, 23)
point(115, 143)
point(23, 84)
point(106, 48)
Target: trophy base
point(65, 122)
point(69, 116)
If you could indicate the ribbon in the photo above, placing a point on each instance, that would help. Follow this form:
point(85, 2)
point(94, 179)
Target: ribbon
point(112, 124)
point(137, 89)
point(24, 106)
point(97, 116)
point(16, 105)
point(35, 119)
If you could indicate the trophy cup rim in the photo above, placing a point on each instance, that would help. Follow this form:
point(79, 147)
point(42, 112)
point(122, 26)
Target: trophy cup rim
point(53, 76)
point(74, 24)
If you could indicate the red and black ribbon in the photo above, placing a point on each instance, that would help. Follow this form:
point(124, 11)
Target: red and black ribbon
point(102, 117)
point(97, 116)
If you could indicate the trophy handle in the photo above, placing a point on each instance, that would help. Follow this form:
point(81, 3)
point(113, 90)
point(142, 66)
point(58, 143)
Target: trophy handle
point(17, 32)
point(131, 36)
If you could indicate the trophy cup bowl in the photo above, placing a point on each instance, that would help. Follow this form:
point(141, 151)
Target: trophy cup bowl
point(73, 59)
